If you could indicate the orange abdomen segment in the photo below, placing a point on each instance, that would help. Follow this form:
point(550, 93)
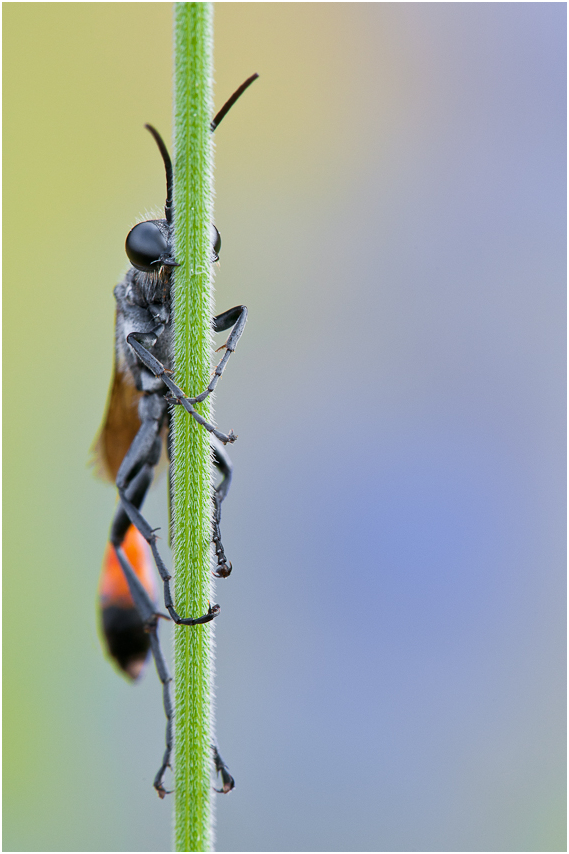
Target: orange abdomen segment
point(113, 587)
point(127, 640)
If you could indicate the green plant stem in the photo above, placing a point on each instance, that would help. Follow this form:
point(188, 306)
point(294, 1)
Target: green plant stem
point(193, 206)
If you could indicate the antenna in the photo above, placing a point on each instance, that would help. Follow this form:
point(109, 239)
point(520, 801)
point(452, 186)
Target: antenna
point(168, 207)
point(228, 104)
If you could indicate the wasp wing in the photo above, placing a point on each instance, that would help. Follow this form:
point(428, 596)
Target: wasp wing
point(120, 425)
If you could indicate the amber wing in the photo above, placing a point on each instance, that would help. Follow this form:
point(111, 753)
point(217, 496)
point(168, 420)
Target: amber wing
point(120, 425)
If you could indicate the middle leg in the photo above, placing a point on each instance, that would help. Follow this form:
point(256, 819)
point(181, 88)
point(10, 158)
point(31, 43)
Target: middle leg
point(145, 449)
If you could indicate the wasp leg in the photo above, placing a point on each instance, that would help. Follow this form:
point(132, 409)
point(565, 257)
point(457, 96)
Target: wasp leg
point(143, 456)
point(159, 371)
point(145, 449)
point(236, 317)
point(227, 780)
point(223, 463)
point(136, 493)
point(166, 680)
point(147, 612)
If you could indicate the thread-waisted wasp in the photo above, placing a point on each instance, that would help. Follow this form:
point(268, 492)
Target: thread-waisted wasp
point(129, 446)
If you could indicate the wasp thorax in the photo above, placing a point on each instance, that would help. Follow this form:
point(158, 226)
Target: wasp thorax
point(146, 247)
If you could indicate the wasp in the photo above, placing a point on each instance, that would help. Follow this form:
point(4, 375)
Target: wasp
point(135, 429)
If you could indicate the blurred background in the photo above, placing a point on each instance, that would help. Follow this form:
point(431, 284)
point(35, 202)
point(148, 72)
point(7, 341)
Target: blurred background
point(391, 647)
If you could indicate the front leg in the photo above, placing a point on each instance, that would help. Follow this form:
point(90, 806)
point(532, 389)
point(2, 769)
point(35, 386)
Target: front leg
point(158, 369)
point(236, 317)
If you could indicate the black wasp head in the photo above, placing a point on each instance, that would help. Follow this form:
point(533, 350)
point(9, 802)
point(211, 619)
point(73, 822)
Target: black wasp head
point(147, 247)
point(147, 244)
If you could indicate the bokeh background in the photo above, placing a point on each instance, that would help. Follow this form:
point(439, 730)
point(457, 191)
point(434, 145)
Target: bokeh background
point(391, 197)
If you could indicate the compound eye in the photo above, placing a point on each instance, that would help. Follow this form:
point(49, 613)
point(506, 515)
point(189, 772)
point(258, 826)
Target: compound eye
point(215, 238)
point(145, 246)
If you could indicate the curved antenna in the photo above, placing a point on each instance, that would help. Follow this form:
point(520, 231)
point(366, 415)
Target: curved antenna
point(169, 206)
point(228, 104)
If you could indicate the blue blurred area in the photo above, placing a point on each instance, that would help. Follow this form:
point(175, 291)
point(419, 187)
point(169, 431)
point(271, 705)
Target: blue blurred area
point(391, 647)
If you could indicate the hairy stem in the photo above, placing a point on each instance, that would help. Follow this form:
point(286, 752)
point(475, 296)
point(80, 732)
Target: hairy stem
point(193, 204)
